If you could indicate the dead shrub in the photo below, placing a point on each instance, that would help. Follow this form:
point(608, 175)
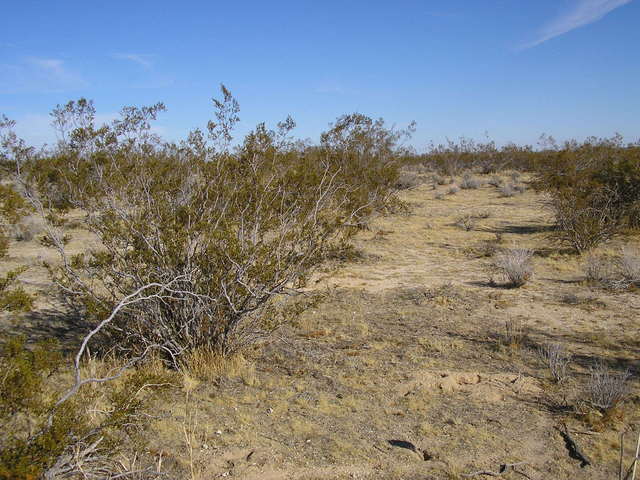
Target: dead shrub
point(605, 389)
point(515, 333)
point(613, 273)
point(515, 265)
point(556, 359)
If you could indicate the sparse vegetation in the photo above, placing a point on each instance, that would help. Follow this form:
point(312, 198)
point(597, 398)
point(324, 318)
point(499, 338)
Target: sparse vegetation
point(557, 360)
point(515, 265)
point(615, 273)
point(515, 333)
point(239, 240)
point(593, 189)
point(606, 389)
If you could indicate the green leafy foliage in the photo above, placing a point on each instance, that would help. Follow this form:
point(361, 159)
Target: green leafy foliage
point(37, 436)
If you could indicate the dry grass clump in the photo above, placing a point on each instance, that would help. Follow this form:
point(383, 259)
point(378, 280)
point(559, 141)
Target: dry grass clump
point(606, 390)
point(469, 182)
point(515, 333)
point(619, 273)
point(209, 365)
point(515, 265)
point(557, 360)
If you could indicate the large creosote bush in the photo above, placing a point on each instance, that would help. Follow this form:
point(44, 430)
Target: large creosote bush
point(237, 226)
point(593, 189)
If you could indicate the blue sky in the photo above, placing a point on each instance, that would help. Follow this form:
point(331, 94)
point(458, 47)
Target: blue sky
point(511, 68)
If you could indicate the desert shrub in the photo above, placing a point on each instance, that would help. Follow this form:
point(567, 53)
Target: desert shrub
point(592, 189)
point(585, 222)
point(556, 359)
point(605, 389)
point(453, 190)
point(515, 265)
point(236, 228)
point(469, 182)
point(615, 273)
point(598, 269)
point(13, 208)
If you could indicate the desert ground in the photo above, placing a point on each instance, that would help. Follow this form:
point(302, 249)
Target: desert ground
point(411, 362)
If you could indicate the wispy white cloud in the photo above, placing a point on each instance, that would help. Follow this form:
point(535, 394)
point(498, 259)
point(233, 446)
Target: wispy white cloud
point(583, 13)
point(39, 75)
point(143, 60)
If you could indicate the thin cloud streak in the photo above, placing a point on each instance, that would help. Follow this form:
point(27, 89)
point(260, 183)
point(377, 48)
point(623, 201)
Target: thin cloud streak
point(40, 75)
point(584, 13)
point(145, 61)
